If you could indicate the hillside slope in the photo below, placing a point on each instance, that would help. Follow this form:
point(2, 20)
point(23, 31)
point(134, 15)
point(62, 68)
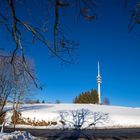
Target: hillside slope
point(82, 115)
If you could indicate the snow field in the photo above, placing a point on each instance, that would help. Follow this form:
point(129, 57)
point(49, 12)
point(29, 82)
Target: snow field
point(117, 116)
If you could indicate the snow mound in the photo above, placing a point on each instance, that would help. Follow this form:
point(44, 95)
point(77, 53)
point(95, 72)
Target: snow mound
point(17, 135)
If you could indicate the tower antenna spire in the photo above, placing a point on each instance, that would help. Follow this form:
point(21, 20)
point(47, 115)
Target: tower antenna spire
point(98, 69)
point(99, 81)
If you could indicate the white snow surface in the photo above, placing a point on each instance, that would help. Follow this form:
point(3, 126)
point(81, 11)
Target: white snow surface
point(102, 116)
point(17, 135)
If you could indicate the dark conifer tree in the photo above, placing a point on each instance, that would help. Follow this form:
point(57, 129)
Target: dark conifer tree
point(87, 97)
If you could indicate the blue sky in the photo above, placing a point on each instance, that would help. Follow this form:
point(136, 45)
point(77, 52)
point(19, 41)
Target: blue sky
point(105, 40)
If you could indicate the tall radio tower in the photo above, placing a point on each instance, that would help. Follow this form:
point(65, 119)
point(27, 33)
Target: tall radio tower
point(99, 81)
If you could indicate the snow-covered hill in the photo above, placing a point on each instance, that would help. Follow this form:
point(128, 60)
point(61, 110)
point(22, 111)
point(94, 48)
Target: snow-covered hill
point(82, 115)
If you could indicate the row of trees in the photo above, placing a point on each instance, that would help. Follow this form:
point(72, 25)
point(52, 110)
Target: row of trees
point(31, 101)
point(87, 97)
point(90, 97)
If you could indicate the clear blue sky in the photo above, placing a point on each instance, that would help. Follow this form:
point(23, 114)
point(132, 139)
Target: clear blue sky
point(105, 40)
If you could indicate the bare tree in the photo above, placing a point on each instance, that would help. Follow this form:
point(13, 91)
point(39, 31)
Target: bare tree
point(82, 118)
point(106, 101)
point(18, 17)
point(16, 25)
point(23, 24)
point(15, 80)
point(78, 118)
point(99, 118)
point(135, 16)
point(57, 101)
point(6, 84)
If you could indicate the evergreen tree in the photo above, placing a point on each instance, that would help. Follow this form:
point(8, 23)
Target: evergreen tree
point(43, 102)
point(94, 96)
point(87, 97)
